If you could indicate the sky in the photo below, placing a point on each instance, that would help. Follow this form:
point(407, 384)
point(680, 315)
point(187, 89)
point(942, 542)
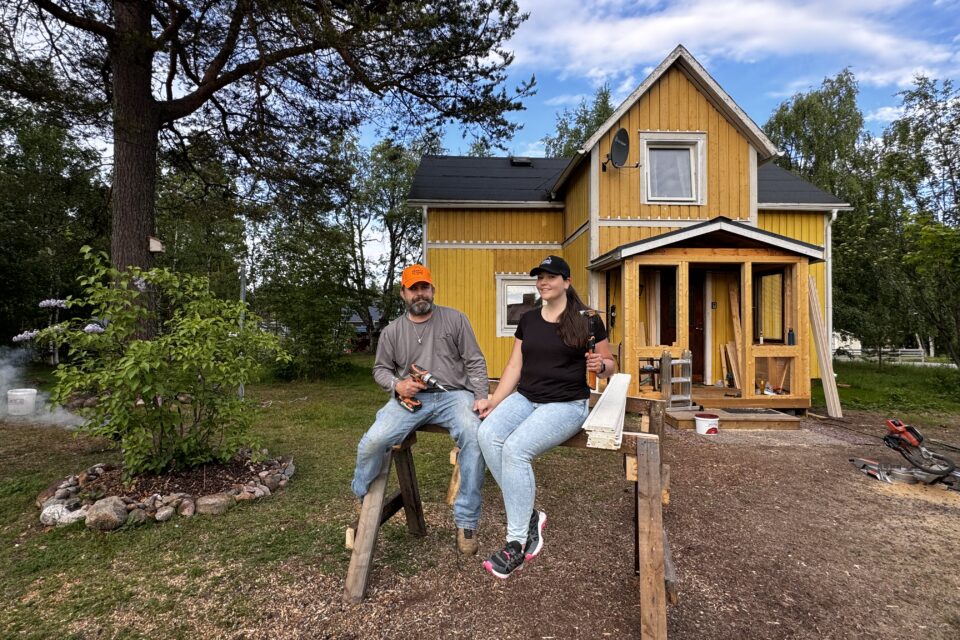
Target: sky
point(760, 52)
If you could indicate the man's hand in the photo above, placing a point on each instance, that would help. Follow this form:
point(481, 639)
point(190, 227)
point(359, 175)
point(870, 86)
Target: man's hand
point(483, 407)
point(408, 387)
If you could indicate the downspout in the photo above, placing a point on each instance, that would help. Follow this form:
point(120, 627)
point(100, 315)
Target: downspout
point(829, 277)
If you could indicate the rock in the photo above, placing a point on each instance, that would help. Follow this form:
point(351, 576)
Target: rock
point(136, 517)
point(63, 494)
point(47, 493)
point(164, 513)
point(73, 516)
point(289, 469)
point(214, 504)
point(131, 505)
point(243, 495)
point(187, 508)
point(128, 500)
point(263, 489)
point(51, 515)
point(50, 502)
point(284, 482)
point(83, 478)
point(272, 483)
point(107, 514)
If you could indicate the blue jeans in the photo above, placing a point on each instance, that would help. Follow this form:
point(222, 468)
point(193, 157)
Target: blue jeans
point(453, 411)
point(515, 433)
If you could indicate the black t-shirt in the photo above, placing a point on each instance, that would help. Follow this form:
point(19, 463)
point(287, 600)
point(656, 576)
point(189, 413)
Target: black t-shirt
point(552, 371)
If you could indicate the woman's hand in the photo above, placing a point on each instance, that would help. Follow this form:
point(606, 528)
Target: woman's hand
point(483, 407)
point(594, 362)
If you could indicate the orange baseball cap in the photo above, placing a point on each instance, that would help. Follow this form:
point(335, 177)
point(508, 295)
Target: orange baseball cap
point(415, 273)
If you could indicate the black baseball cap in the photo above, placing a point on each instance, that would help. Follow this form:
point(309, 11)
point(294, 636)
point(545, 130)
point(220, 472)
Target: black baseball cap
point(553, 264)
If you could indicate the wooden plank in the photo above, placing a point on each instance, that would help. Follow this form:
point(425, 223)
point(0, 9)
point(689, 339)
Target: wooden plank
point(735, 316)
point(734, 365)
point(653, 604)
point(666, 376)
point(605, 422)
point(630, 467)
point(410, 489)
point(454, 487)
point(834, 410)
point(365, 541)
point(723, 364)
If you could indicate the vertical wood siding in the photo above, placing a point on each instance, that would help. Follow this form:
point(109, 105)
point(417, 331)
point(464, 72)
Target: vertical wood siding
point(577, 199)
point(495, 225)
point(807, 227)
point(465, 280)
point(673, 103)
point(613, 237)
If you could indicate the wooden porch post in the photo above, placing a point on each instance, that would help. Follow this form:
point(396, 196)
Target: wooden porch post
point(804, 335)
point(747, 363)
point(630, 323)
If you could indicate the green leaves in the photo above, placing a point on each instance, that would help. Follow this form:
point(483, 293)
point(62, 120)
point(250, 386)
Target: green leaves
point(170, 400)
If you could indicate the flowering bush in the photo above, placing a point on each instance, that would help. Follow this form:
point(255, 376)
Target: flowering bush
point(164, 357)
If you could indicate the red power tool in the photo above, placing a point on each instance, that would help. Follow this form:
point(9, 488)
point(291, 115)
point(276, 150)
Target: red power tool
point(419, 374)
point(928, 467)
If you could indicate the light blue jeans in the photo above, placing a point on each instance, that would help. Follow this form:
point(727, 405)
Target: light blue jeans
point(515, 433)
point(453, 411)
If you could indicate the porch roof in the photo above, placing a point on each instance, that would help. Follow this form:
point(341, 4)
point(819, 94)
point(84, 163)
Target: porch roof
point(715, 233)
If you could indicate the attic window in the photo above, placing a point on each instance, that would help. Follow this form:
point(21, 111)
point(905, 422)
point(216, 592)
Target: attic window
point(520, 161)
point(674, 167)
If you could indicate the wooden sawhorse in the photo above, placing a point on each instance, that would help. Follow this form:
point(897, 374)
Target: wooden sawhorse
point(642, 460)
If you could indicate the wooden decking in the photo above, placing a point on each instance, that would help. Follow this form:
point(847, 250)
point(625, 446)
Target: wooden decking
point(735, 419)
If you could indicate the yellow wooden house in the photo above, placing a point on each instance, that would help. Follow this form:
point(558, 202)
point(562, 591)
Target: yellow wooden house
point(677, 227)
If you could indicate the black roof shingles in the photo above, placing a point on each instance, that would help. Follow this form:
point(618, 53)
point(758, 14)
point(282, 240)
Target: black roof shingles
point(472, 179)
point(469, 179)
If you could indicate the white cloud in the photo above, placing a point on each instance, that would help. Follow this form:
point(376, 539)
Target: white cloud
point(566, 99)
point(884, 114)
point(604, 40)
point(535, 149)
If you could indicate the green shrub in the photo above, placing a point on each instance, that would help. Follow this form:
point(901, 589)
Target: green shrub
point(164, 357)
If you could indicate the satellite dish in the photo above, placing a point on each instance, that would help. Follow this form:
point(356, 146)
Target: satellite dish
point(620, 148)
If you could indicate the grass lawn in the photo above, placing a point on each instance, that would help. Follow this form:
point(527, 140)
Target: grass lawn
point(169, 580)
point(71, 582)
point(912, 393)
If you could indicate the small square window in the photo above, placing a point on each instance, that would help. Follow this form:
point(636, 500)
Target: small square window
point(516, 294)
point(671, 173)
point(674, 167)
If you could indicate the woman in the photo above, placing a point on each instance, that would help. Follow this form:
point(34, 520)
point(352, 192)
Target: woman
point(550, 360)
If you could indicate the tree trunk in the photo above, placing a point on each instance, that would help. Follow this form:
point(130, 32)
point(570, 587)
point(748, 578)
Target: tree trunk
point(136, 127)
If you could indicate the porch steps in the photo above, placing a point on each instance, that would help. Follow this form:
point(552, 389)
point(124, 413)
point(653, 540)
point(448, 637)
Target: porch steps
point(735, 419)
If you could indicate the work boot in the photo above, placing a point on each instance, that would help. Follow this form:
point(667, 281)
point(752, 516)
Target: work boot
point(467, 542)
point(506, 561)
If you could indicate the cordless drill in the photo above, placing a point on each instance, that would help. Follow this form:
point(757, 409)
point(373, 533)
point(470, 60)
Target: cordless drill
point(419, 374)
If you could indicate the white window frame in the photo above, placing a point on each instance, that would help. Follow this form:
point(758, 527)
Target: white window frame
point(505, 280)
point(696, 142)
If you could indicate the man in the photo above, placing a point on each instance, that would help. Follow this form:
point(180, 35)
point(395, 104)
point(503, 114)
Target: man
point(440, 340)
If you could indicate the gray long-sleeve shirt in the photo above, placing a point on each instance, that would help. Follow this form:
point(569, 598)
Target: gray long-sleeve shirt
point(444, 345)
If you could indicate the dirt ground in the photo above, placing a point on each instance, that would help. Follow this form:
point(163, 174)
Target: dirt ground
point(774, 535)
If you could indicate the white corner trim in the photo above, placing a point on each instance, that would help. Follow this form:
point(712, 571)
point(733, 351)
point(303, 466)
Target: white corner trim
point(424, 242)
point(754, 215)
point(576, 234)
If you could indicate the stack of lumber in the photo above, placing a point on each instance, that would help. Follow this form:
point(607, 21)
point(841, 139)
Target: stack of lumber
point(604, 425)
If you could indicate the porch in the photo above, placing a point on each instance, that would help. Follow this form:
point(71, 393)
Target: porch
point(734, 297)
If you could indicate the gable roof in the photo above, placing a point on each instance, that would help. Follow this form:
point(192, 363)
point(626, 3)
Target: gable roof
point(450, 181)
point(778, 188)
point(712, 91)
point(730, 233)
point(464, 180)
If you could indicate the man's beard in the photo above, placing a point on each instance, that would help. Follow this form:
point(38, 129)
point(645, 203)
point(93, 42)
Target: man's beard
point(420, 307)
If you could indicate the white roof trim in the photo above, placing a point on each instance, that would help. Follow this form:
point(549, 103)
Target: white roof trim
point(739, 229)
point(718, 96)
point(801, 206)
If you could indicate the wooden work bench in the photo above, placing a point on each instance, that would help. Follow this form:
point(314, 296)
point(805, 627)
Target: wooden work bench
point(641, 451)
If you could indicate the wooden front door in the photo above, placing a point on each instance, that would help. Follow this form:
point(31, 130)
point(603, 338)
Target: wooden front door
point(696, 332)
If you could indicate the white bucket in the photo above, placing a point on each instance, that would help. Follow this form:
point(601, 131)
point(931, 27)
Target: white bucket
point(707, 423)
point(21, 402)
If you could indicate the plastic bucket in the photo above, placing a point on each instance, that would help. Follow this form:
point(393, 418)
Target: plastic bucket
point(707, 423)
point(21, 402)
